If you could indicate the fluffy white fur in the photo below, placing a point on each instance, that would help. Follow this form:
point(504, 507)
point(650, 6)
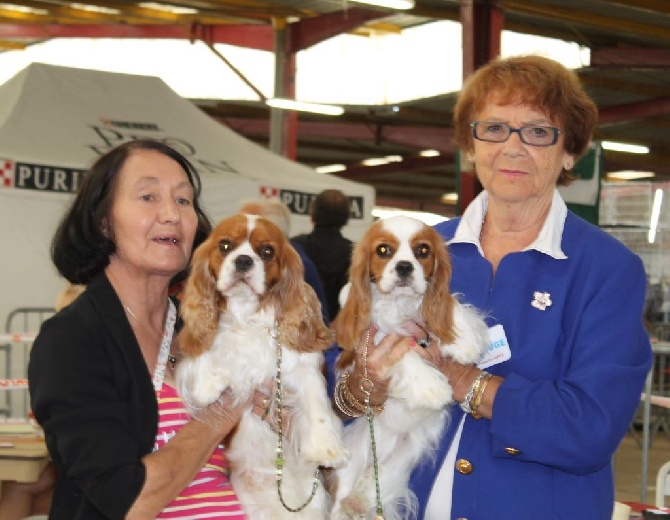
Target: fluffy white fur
point(241, 298)
point(417, 410)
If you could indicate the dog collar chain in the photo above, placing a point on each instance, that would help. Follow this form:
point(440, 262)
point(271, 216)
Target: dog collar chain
point(279, 461)
point(366, 387)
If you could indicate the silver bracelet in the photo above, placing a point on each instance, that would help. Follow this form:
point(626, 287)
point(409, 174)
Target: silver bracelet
point(466, 405)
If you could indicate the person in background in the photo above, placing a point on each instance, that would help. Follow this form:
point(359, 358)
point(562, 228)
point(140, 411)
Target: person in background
point(101, 370)
point(278, 213)
point(542, 415)
point(19, 500)
point(326, 246)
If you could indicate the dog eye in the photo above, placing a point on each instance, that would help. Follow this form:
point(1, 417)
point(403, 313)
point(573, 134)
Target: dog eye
point(266, 252)
point(383, 250)
point(422, 251)
point(225, 246)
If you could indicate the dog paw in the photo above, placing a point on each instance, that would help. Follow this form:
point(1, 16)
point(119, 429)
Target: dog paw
point(434, 391)
point(325, 448)
point(467, 354)
point(361, 501)
point(204, 394)
point(354, 508)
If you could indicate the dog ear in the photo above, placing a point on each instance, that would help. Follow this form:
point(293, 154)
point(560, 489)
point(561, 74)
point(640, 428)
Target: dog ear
point(199, 308)
point(438, 302)
point(302, 328)
point(287, 292)
point(354, 315)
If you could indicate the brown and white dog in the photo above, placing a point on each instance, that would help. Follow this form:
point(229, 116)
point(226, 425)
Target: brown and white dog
point(400, 273)
point(245, 298)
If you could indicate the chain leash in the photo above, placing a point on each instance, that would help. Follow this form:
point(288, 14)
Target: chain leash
point(279, 461)
point(367, 386)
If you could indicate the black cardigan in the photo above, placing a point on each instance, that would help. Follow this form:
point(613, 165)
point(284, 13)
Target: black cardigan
point(93, 395)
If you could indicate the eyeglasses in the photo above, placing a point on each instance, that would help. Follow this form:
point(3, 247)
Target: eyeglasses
point(494, 132)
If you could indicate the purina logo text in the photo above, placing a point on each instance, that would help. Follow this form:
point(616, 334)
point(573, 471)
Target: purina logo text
point(30, 176)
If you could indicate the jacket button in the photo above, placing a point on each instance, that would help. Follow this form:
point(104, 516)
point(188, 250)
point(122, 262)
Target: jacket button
point(463, 466)
point(513, 451)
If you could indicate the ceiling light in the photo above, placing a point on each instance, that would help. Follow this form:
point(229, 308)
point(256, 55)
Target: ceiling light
point(391, 4)
point(655, 213)
point(449, 198)
point(624, 147)
point(23, 9)
point(317, 108)
point(629, 175)
point(94, 8)
point(378, 161)
point(374, 161)
point(331, 168)
point(168, 8)
point(429, 153)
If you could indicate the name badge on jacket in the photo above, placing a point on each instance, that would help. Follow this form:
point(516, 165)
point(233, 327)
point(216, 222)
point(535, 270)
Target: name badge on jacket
point(498, 350)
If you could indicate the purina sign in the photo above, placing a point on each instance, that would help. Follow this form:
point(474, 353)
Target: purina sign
point(26, 176)
point(299, 202)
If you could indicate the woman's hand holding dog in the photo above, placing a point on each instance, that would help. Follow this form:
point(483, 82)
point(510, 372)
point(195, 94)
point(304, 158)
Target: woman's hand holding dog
point(264, 406)
point(224, 413)
point(461, 377)
point(379, 360)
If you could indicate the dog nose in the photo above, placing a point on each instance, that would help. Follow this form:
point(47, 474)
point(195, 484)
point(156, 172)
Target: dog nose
point(404, 268)
point(243, 263)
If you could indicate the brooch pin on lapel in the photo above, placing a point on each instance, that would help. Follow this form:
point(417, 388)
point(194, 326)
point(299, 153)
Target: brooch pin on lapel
point(541, 300)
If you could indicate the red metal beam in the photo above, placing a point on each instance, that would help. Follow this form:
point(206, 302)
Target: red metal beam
point(630, 57)
point(633, 111)
point(310, 31)
point(447, 210)
point(482, 23)
point(421, 138)
point(251, 36)
point(659, 168)
point(303, 34)
point(407, 165)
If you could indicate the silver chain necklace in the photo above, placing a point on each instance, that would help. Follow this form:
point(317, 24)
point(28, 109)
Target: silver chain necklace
point(170, 358)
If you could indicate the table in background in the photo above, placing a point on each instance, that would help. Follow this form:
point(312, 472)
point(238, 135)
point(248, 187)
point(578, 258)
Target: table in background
point(25, 460)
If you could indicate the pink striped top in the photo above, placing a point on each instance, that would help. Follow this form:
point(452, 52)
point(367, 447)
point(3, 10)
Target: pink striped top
point(210, 495)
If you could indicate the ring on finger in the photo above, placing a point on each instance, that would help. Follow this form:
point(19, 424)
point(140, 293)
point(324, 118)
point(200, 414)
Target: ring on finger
point(424, 342)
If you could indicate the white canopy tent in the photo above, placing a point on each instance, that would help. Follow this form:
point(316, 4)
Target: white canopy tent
point(54, 122)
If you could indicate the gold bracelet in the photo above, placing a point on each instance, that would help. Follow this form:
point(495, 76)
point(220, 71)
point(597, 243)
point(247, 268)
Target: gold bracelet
point(341, 403)
point(466, 405)
point(479, 395)
point(350, 399)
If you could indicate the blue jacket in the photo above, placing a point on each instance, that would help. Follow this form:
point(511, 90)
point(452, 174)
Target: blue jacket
point(570, 389)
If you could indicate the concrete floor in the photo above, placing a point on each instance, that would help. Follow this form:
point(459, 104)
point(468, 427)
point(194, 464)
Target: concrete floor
point(628, 466)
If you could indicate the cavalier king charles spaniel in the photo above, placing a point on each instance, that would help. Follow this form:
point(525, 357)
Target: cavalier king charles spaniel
point(249, 318)
point(400, 273)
